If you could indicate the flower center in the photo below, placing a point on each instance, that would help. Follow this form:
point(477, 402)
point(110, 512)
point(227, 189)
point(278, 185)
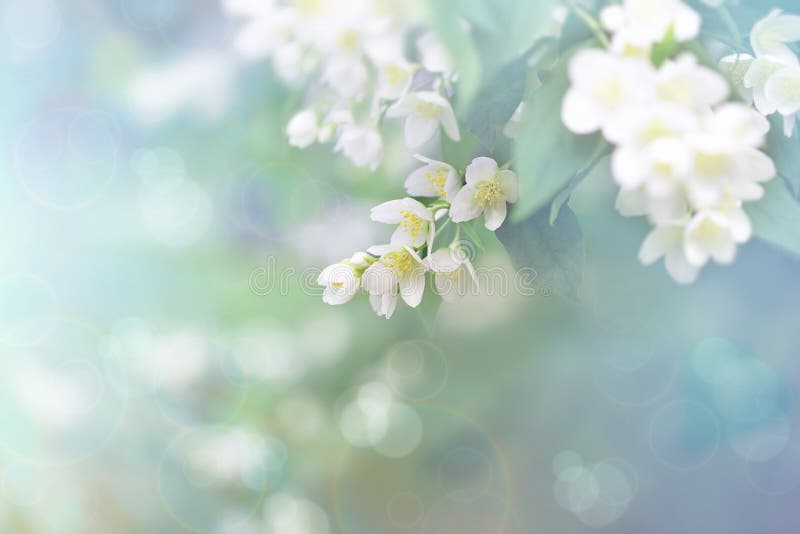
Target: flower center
point(710, 164)
point(610, 93)
point(488, 192)
point(401, 262)
point(437, 180)
point(655, 130)
point(412, 224)
point(678, 91)
point(394, 75)
point(348, 40)
point(426, 110)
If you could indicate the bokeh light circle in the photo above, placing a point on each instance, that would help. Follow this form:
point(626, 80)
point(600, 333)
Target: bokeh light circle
point(204, 469)
point(57, 401)
point(32, 24)
point(417, 369)
point(129, 350)
point(198, 382)
point(778, 475)
point(68, 157)
point(148, 16)
point(457, 466)
point(177, 213)
point(29, 311)
point(684, 435)
point(405, 509)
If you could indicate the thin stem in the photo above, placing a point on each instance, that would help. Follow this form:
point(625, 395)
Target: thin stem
point(590, 22)
point(730, 23)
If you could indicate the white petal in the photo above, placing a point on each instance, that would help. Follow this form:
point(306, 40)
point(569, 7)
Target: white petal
point(389, 304)
point(465, 207)
point(783, 89)
point(419, 131)
point(770, 35)
point(443, 261)
point(580, 114)
point(402, 107)
point(680, 269)
point(509, 184)
point(789, 124)
point(449, 123)
point(495, 215)
point(412, 287)
point(655, 246)
point(687, 23)
point(741, 229)
point(481, 169)
point(754, 165)
point(627, 167)
point(389, 212)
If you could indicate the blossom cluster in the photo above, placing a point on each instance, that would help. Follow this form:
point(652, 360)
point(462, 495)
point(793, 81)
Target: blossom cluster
point(771, 78)
point(352, 58)
point(685, 156)
point(398, 270)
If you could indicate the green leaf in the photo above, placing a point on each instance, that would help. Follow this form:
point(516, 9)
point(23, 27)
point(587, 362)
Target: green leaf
point(776, 217)
point(459, 154)
point(443, 19)
point(496, 102)
point(785, 152)
point(553, 251)
point(548, 155)
point(665, 49)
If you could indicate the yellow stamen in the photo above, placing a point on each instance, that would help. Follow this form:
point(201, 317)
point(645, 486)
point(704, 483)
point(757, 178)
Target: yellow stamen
point(394, 75)
point(710, 164)
point(488, 192)
point(401, 262)
point(412, 224)
point(427, 110)
point(611, 93)
point(437, 181)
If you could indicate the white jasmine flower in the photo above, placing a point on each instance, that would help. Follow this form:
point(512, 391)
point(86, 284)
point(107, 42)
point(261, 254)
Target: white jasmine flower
point(758, 75)
point(783, 90)
point(435, 58)
point(770, 35)
point(348, 76)
point(487, 191)
point(343, 280)
point(362, 144)
point(332, 122)
point(293, 62)
point(394, 78)
point(638, 126)
point(435, 179)
point(667, 241)
point(715, 234)
point(719, 168)
point(643, 23)
point(425, 111)
point(661, 166)
point(399, 271)
point(603, 85)
point(303, 129)
point(736, 67)
point(268, 29)
point(453, 273)
point(685, 83)
point(632, 202)
point(740, 124)
point(415, 222)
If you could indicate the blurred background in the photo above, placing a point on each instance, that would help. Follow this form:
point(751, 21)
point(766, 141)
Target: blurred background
point(169, 366)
